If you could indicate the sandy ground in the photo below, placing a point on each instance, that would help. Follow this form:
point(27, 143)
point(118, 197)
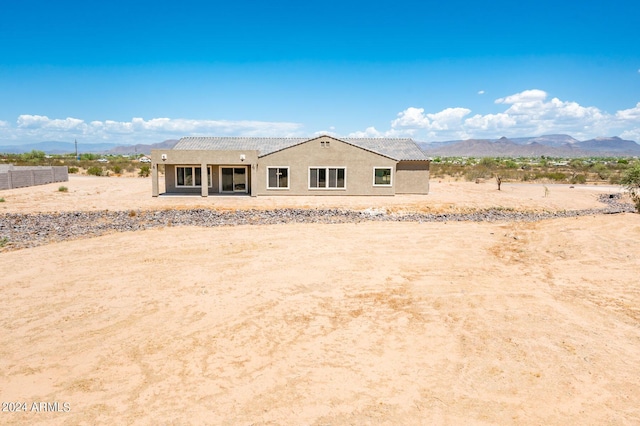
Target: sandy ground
point(113, 193)
point(369, 323)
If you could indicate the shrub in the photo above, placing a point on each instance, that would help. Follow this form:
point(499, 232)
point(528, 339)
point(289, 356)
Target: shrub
point(1, 200)
point(116, 169)
point(89, 157)
point(33, 155)
point(557, 176)
point(602, 171)
point(73, 170)
point(4, 241)
point(477, 173)
point(63, 189)
point(144, 171)
point(631, 182)
point(94, 171)
point(615, 179)
point(488, 162)
point(579, 179)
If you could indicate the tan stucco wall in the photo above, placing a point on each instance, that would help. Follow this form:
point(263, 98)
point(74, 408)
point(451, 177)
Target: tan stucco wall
point(198, 158)
point(409, 177)
point(412, 177)
point(180, 157)
point(358, 162)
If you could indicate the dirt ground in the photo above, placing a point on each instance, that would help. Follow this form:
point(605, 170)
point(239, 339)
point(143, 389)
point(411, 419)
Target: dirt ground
point(120, 193)
point(368, 323)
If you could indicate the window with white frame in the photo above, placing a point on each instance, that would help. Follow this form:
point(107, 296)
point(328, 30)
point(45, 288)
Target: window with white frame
point(327, 177)
point(277, 177)
point(382, 176)
point(191, 176)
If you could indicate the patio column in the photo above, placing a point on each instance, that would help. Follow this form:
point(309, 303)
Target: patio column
point(253, 188)
point(204, 180)
point(154, 181)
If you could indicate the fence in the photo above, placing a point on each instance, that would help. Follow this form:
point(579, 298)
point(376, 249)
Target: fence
point(20, 176)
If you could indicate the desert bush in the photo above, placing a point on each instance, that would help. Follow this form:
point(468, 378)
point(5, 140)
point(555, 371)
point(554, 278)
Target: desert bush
point(73, 170)
point(116, 169)
point(1, 200)
point(602, 171)
point(63, 189)
point(33, 156)
point(631, 182)
point(4, 241)
point(557, 176)
point(615, 179)
point(488, 162)
point(477, 173)
point(579, 179)
point(94, 171)
point(144, 171)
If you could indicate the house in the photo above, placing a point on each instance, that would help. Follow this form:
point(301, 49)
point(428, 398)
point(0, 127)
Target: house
point(323, 165)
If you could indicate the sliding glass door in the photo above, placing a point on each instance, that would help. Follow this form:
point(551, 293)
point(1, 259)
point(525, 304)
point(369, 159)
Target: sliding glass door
point(233, 179)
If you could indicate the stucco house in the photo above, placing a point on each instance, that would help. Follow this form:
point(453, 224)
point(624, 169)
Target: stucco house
point(323, 165)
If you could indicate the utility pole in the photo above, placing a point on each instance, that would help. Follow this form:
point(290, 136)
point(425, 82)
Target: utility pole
point(76, 142)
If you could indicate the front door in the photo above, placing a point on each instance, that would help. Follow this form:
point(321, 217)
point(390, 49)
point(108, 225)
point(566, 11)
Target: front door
point(233, 179)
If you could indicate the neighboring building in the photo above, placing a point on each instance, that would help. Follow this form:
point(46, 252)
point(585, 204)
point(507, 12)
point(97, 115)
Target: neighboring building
point(20, 176)
point(323, 165)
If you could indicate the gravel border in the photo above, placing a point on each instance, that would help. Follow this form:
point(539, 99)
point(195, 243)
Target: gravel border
point(18, 231)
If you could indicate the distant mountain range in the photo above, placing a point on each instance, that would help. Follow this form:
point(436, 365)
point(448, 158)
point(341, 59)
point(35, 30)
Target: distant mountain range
point(547, 145)
point(55, 147)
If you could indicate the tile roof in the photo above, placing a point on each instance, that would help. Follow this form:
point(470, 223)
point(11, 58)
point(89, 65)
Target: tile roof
point(397, 149)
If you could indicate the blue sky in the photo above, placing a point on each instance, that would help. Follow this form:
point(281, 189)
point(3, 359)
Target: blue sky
point(145, 71)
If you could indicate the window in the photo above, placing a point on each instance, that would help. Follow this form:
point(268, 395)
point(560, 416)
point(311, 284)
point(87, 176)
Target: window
point(277, 178)
point(327, 177)
point(191, 176)
point(324, 144)
point(382, 176)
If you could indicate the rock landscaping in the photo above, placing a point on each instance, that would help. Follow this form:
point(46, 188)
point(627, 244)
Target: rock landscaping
point(19, 231)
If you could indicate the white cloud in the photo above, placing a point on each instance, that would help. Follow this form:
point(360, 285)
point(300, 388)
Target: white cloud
point(416, 118)
point(369, 132)
point(40, 121)
point(526, 97)
point(412, 117)
point(632, 134)
point(35, 128)
point(490, 122)
point(631, 114)
point(528, 113)
point(480, 92)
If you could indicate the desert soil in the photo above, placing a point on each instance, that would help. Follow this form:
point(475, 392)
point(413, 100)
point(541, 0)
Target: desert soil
point(367, 323)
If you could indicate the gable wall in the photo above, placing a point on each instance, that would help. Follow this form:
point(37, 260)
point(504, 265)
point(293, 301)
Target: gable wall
point(358, 162)
point(412, 177)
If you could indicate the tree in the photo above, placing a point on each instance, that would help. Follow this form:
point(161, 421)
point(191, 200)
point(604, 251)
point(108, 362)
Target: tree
point(631, 182)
